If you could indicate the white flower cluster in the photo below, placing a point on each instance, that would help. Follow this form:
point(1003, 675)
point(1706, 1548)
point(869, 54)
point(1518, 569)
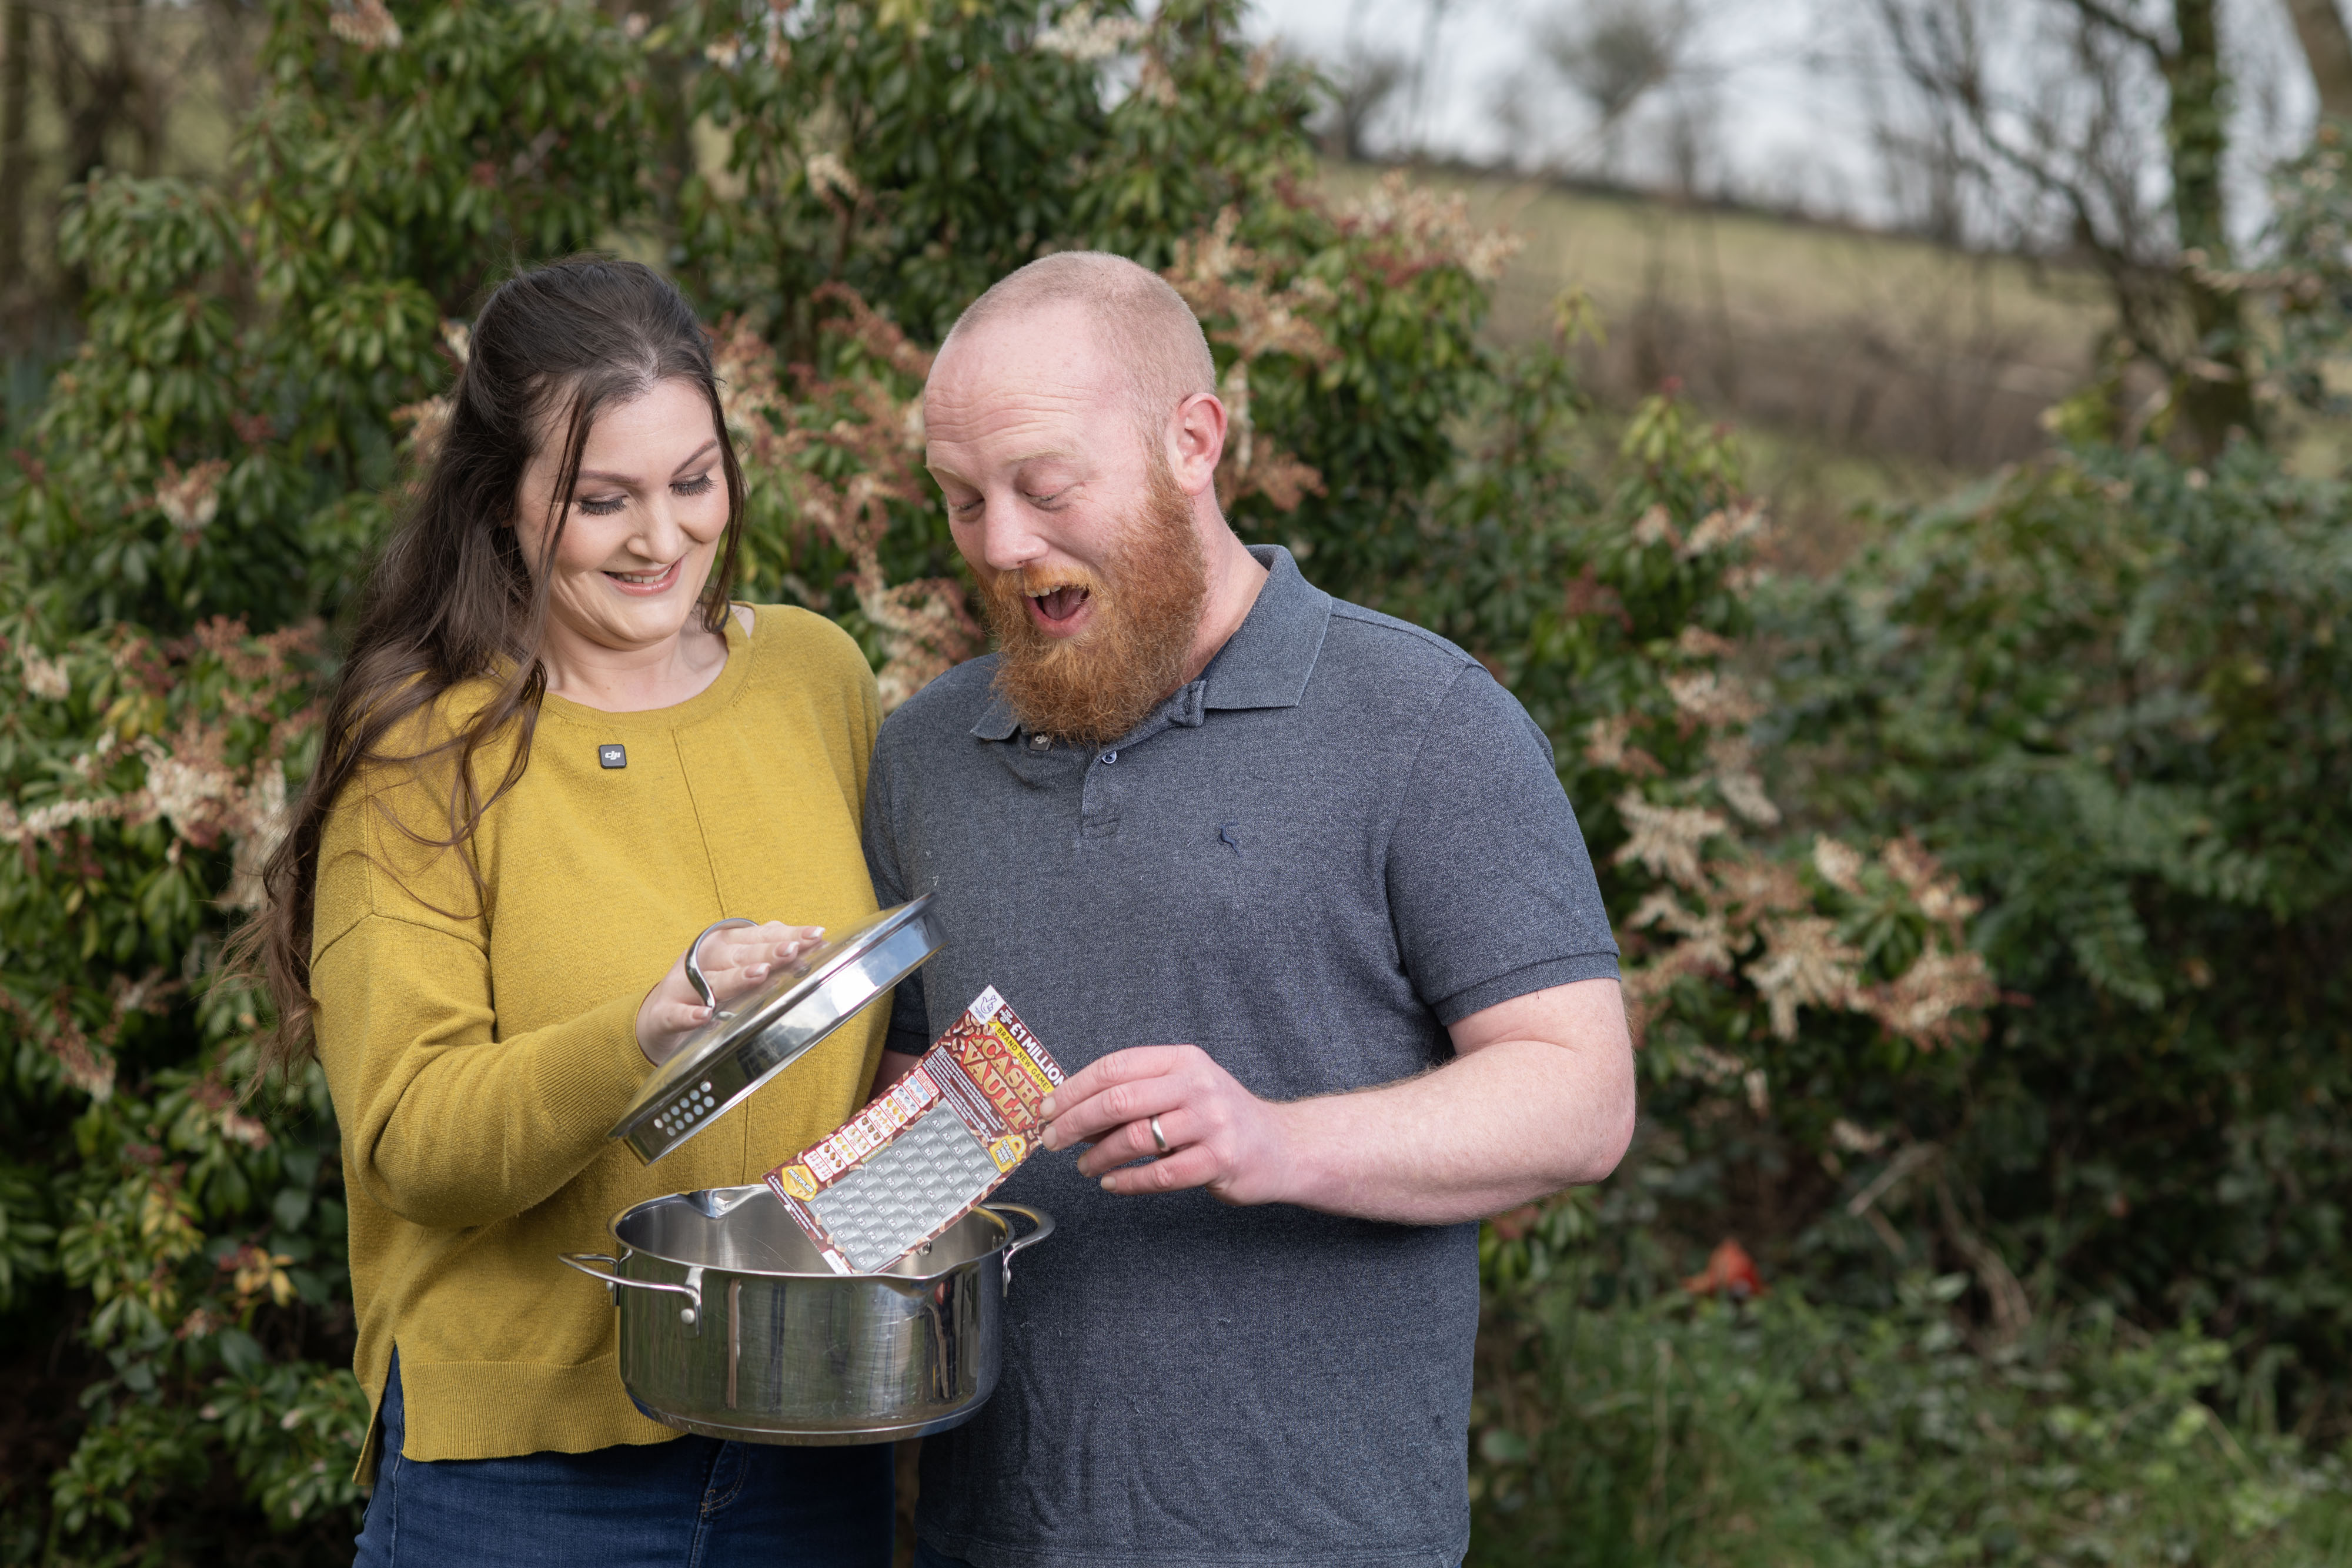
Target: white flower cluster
point(1439, 226)
point(1736, 780)
point(1839, 862)
point(1666, 839)
point(1711, 697)
point(1805, 964)
point(191, 499)
point(45, 677)
point(263, 824)
point(203, 800)
point(828, 176)
point(428, 421)
point(1079, 35)
point(46, 822)
point(1727, 527)
point(732, 51)
point(364, 25)
point(1722, 526)
point(191, 796)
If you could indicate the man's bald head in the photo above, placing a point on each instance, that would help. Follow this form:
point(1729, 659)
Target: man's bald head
point(1143, 323)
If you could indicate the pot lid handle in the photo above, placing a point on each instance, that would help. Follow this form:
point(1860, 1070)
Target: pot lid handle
point(694, 975)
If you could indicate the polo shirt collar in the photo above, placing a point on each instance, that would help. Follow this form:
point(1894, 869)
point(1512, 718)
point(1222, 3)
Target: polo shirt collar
point(1264, 664)
point(996, 720)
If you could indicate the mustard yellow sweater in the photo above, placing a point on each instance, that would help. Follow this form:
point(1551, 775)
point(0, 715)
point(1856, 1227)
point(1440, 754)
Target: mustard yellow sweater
point(479, 1048)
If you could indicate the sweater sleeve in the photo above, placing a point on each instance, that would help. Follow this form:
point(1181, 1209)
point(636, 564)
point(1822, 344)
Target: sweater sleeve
point(444, 1123)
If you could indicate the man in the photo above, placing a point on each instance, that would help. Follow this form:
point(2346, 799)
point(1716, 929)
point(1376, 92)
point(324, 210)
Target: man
point(1293, 890)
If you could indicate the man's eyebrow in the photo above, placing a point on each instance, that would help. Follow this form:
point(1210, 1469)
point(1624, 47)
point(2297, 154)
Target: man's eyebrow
point(699, 454)
point(1044, 455)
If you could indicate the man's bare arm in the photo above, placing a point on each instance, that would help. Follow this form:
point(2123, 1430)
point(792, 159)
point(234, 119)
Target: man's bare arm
point(1539, 1097)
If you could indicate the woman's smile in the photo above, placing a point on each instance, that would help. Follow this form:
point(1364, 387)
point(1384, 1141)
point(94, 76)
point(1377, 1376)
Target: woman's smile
point(647, 584)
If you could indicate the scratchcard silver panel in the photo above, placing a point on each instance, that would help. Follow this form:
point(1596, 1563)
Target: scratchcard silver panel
point(905, 1190)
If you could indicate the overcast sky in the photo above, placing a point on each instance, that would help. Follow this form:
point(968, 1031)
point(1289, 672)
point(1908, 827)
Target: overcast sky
point(1782, 87)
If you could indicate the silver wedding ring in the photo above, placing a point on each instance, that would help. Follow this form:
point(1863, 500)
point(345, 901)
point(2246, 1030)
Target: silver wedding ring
point(1158, 1136)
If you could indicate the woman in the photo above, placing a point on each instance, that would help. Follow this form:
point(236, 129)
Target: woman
point(556, 754)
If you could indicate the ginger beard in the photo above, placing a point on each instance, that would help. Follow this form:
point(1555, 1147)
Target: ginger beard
point(1146, 607)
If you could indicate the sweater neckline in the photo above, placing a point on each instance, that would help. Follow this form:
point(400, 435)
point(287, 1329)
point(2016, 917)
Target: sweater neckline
point(708, 700)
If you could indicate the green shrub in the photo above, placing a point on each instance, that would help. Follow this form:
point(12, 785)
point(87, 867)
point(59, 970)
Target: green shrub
point(1677, 1430)
point(2115, 693)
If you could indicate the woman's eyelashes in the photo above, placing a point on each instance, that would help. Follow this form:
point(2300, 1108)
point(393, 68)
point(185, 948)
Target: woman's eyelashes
point(605, 505)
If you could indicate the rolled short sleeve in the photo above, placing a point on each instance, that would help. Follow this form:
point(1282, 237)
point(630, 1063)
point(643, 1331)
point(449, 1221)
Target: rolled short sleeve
point(1489, 882)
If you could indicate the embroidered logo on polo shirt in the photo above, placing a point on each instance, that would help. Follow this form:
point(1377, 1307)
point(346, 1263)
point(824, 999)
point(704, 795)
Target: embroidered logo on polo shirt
point(613, 756)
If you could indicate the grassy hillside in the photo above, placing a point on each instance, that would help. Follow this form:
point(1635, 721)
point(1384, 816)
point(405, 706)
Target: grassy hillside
point(1873, 340)
point(1860, 366)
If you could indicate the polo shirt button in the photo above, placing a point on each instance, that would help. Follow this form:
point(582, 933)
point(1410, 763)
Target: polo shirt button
point(1110, 758)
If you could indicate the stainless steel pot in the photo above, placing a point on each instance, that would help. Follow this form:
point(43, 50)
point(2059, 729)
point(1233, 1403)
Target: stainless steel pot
point(732, 1326)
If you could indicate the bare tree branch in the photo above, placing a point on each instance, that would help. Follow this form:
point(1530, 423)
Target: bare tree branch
point(2101, 15)
point(2327, 50)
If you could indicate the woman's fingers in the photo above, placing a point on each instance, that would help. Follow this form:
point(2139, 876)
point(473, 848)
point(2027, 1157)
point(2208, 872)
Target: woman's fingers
point(743, 957)
point(742, 946)
point(797, 940)
point(734, 961)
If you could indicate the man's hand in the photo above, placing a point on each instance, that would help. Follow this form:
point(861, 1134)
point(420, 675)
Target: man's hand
point(734, 961)
point(1219, 1135)
point(1539, 1096)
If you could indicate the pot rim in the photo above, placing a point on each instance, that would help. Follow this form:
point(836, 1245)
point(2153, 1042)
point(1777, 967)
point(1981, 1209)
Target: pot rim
point(998, 1247)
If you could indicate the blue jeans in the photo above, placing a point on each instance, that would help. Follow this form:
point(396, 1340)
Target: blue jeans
point(695, 1503)
point(927, 1558)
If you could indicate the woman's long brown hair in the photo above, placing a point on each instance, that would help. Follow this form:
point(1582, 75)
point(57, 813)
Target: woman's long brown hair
point(453, 597)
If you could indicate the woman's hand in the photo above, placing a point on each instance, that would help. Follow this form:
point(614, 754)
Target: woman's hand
point(734, 961)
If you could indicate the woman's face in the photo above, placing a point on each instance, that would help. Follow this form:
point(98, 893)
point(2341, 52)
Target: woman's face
point(645, 520)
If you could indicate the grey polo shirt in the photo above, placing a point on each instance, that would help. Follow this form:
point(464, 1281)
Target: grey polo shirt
point(1342, 839)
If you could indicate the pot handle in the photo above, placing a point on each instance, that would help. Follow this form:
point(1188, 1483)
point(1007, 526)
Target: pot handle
point(689, 1315)
point(1038, 1217)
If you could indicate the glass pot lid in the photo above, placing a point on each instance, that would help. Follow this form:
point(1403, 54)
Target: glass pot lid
point(757, 1036)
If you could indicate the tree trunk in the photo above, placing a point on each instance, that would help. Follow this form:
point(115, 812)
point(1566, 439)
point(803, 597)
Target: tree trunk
point(2216, 394)
point(2327, 50)
point(15, 81)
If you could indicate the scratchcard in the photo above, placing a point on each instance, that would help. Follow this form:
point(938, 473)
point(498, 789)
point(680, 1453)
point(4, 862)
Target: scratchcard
point(925, 1153)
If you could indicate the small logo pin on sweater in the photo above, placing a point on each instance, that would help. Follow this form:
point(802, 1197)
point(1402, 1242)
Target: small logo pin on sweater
point(612, 756)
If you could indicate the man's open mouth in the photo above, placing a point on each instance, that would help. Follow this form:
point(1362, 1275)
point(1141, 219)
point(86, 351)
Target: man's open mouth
point(1060, 603)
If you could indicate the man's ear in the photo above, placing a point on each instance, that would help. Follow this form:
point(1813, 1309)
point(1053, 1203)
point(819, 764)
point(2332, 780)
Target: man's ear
point(1196, 442)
